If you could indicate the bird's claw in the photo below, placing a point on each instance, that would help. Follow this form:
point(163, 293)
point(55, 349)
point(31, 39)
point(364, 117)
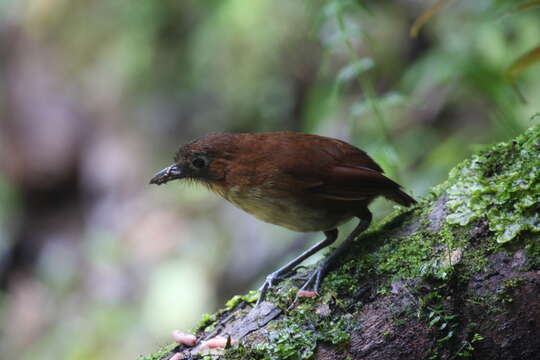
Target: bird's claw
point(311, 286)
point(269, 282)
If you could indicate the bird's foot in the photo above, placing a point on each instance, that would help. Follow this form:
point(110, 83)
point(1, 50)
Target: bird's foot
point(312, 284)
point(271, 280)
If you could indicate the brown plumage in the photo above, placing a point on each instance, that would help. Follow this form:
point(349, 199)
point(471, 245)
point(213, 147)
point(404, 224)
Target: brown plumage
point(299, 181)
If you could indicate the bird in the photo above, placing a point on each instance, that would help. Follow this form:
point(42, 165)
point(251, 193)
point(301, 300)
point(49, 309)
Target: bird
point(303, 182)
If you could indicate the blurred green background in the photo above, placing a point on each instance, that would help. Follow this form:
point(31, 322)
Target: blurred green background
point(95, 96)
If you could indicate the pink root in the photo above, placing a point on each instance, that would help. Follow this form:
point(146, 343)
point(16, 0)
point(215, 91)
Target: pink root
point(307, 293)
point(218, 342)
point(184, 339)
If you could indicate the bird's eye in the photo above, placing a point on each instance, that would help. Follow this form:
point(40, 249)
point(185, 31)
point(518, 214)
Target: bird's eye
point(198, 162)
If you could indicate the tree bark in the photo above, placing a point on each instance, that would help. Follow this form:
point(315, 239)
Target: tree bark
point(457, 276)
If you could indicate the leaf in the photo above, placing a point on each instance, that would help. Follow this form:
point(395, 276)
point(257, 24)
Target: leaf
point(447, 337)
point(334, 8)
point(434, 321)
point(424, 18)
point(525, 6)
point(521, 64)
point(354, 69)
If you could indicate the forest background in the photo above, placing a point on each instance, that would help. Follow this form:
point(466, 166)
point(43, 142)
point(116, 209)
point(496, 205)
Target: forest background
point(95, 96)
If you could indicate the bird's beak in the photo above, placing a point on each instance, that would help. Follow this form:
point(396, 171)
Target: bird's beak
point(169, 173)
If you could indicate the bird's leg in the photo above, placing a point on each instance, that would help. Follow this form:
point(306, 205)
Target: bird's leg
point(279, 274)
point(314, 281)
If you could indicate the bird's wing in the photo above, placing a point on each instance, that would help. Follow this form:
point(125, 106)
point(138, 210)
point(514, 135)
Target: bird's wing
point(350, 183)
point(353, 183)
point(339, 171)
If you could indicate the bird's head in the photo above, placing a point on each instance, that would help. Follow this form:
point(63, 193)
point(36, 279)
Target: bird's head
point(206, 159)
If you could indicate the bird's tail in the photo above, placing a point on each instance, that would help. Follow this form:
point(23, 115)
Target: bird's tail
point(400, 197)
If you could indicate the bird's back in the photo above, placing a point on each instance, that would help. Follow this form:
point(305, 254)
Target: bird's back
point(324, 166)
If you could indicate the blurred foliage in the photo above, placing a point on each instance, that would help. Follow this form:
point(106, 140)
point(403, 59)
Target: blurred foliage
point(96, 95)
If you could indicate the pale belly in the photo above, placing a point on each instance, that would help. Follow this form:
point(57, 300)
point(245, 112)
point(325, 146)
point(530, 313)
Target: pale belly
point(284, 213)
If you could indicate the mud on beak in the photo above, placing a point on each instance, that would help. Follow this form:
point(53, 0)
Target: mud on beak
point(169, 173)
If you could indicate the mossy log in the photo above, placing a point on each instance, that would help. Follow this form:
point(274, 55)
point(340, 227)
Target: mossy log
point(457, 276)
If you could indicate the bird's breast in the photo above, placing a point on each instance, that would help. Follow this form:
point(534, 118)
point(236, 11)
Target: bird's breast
point(284, 209)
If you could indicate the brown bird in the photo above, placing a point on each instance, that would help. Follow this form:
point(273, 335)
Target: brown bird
point(299, 181)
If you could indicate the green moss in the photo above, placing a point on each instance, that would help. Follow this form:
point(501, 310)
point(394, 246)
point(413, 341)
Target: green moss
point(417, 249)
point(506, 292)
point(206, 323)
point(511, 284)
point(250, 297)
point(476, 260)
point(297, 335)
point(502, 185)
point(160, 354)
point(532, 250)
point(496, 303)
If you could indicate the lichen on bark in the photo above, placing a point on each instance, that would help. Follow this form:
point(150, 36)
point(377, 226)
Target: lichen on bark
point(502, 185)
